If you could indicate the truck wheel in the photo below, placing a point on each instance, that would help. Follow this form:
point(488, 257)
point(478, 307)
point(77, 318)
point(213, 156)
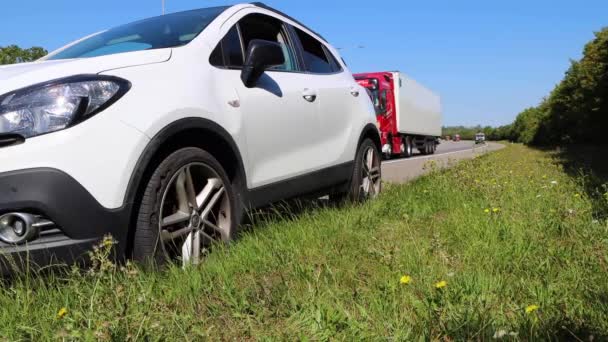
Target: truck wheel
point(424, 150)
point(366, 181)
point(188, 205)
point(408, 148)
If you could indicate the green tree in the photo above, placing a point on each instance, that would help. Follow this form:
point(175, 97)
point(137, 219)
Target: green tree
point(576, 111)
point(13, 54)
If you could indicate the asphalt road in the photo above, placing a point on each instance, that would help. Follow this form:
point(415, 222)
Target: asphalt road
point(401, 170)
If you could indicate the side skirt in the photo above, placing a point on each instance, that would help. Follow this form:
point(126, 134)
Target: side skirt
point(334, 178)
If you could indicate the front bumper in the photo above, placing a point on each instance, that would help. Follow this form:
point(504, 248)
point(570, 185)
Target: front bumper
point(80, 220)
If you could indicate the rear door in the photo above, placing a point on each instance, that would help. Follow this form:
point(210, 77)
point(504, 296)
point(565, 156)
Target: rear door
point(337, 96)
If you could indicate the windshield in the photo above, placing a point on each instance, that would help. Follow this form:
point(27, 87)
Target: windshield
point(375, 95)
point(167, 31)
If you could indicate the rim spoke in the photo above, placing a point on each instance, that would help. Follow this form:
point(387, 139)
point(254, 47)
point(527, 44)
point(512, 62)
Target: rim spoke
point(370, 159)
point(191, 250)
point(191, 193)
point(372, 187)
point(176, 218)
point(212, 203)
point(217, 229)
point(201, 198)
point(181, 193)
point(365, 185)
point(166, 235)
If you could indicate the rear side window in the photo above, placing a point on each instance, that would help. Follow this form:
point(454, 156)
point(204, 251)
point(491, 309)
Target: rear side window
point(335, 65)
point(229, 52)
point(315, 58)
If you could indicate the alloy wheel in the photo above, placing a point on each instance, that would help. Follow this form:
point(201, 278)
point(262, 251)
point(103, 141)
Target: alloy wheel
point(195, 212)
point(371, 177)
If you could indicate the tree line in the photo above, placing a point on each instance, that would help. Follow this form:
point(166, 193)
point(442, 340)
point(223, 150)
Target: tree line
point(576, 111)
point(468, 133)
point(14, 54)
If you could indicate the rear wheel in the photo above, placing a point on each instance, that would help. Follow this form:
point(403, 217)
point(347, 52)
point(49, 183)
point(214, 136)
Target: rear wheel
point(367, 173)
point(424, 149)
point(188, 205)
point(432, 147)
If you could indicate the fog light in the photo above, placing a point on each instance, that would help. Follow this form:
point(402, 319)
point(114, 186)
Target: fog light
point(18, 228)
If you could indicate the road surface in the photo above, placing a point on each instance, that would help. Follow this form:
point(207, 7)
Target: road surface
point(402, 170)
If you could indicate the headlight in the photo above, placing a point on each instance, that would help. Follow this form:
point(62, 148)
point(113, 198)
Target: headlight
point(56, 105)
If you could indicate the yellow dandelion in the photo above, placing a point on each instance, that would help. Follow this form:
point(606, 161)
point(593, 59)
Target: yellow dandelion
point(577, 195)
point(496, 210)
point(108, 241)
point(405, 280)
point(531, 308)
point(441, 284)
point(487, 211)
point(62, 312)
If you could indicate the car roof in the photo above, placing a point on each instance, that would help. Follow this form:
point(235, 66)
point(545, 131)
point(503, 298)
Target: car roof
point(274, 10)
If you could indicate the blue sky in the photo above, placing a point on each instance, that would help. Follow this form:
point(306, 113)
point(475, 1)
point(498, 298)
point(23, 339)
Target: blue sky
point(488, 59)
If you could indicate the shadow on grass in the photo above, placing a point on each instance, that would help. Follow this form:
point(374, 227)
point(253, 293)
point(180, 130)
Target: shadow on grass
point(286, 210)
point(588, 164)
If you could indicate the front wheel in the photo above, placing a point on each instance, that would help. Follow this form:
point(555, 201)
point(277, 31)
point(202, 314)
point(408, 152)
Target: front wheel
point(188, 205)
point(366, 181)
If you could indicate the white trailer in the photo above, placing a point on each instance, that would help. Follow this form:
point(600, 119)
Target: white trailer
point(418, 108)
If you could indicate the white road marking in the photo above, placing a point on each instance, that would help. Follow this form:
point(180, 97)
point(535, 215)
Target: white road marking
point(431, 156)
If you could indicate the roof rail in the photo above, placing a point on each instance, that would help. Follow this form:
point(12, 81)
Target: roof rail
point(266, 7)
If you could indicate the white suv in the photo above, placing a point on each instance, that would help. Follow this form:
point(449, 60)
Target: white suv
point(163, 132)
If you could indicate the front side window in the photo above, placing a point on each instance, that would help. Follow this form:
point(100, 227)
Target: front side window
point(259, 26)
point(382, 101)
point(229, 52)
point(167, 31)
point(315, 59)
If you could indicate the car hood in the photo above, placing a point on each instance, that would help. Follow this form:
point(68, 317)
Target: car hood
point(16, 76)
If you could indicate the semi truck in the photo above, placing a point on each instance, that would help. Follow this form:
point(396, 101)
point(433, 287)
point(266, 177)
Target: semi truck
point(408, 114)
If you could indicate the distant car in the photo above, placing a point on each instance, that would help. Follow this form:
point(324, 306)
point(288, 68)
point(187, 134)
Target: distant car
point(163, 132)
point(456, 137)
point(480, 138)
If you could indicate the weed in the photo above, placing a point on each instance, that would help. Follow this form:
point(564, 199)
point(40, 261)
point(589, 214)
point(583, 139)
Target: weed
point(497, 247)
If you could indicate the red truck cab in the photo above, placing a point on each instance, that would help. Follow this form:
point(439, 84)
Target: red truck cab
point(380, 85)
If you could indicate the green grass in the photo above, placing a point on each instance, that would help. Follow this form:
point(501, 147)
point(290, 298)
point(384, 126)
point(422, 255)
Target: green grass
point(334, 274)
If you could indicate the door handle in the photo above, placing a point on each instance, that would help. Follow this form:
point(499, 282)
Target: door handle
point(309, 95)
point(354, 92)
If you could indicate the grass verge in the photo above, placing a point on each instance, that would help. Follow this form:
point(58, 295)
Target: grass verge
point(506, 246)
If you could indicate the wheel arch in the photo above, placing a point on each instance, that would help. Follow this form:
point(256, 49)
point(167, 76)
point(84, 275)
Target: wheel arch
point(186, 132)
point(370, 131)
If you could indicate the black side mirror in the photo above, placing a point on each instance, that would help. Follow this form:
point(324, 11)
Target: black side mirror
point(261, 55)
